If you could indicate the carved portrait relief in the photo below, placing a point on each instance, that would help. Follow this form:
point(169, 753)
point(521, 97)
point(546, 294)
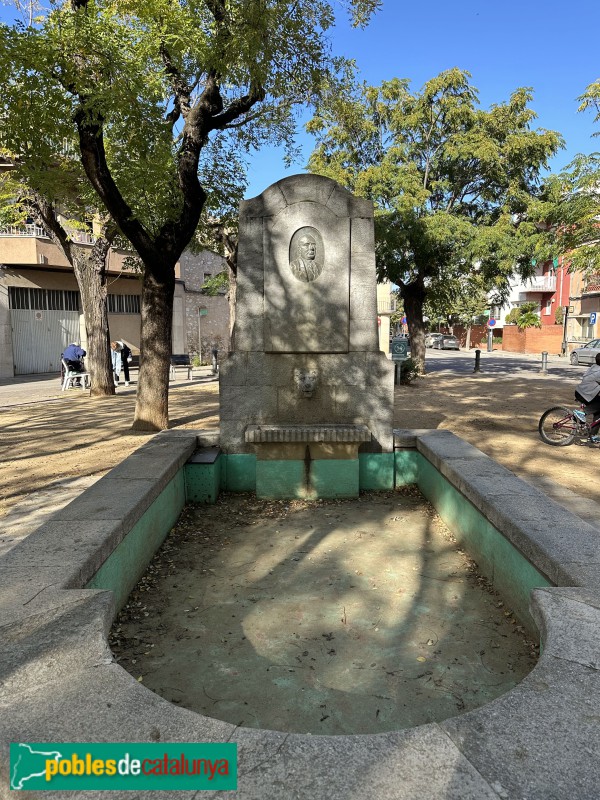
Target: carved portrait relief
point(307, 254)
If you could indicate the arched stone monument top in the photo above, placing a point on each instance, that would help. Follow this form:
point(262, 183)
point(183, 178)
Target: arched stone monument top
point(306, 188)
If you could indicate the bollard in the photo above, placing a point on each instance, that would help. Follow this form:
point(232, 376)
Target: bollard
point(544, 361)
point(477, 360)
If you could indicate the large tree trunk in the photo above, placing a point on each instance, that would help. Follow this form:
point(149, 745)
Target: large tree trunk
point(89, 268)
point(152, 401)
point(413, 295)
point(91, 279)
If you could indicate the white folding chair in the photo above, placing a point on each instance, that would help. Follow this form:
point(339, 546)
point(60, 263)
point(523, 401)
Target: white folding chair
point(70, 378)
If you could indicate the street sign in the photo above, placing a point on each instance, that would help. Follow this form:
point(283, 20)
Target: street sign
point(399, 349)
point(593, 318)
point(491, 322)
point(403, 320)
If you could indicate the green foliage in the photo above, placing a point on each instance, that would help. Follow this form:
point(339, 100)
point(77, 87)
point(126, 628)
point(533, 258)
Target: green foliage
point(217, 284)
point(462, 300)
point(139, 70)
point(452, 184)
point(574, 209)
point(559, 316)
point(409, 371)
point(571, 206)
point(529, 319)
point(524, 316)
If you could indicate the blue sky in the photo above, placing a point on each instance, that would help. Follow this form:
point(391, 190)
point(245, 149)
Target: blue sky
point(551, 47)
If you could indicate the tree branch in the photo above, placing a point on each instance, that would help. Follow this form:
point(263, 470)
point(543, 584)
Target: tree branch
point(44, 213)
point(93, 158)
point(181, 90)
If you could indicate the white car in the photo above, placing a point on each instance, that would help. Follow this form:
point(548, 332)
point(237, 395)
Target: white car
point(430, 338)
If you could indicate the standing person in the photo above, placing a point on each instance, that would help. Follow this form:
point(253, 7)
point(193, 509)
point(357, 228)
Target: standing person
point(125, 359)
point(115, 354)
point(588, 392)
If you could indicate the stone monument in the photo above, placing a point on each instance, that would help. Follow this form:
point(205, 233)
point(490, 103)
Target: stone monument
point(306, 380)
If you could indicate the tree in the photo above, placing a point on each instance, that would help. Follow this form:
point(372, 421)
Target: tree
point(574, 211)
point(452, 184)
point(26, 189)
point(146, 86)
point(569, 208)
point(464, 301)
point(525, 316)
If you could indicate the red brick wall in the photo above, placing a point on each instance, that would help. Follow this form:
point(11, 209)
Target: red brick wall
point(533, 340)
point(478, 334)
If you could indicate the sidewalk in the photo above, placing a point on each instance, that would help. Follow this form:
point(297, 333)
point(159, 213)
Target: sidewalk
point(42, 387)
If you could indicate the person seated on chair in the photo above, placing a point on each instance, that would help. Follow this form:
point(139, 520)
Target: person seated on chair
point(74, 355)
point(588, 391)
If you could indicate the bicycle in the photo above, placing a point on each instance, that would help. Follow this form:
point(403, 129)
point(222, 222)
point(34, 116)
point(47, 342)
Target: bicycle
point(560, 426)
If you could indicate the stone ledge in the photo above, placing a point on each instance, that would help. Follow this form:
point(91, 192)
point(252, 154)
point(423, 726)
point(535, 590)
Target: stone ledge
point(258, 434)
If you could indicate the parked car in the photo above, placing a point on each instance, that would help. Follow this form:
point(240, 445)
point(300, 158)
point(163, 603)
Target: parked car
point(430, 338)
point(446, 342)
point(586, 354)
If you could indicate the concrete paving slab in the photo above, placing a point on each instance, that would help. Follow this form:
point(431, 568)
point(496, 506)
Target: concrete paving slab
point(38, 507)
point(538, 741)
point(563, 611)
point(54, 544)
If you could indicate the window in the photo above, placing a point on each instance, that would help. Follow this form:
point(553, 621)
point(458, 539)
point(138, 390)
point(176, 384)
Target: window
point(43, 299)
point(123, 304)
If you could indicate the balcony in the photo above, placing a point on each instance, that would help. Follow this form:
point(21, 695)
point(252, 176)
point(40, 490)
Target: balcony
point(23, 230)
point(14, 231)
point(541, 283)
point(386, 306)
point(592, 285)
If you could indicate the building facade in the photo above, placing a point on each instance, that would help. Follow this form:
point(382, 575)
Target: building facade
point(568, 306)
point(40, 307)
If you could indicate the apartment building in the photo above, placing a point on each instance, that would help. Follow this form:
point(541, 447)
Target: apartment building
point(568, 306)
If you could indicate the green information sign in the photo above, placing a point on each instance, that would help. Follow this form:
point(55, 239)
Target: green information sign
point(399, 349)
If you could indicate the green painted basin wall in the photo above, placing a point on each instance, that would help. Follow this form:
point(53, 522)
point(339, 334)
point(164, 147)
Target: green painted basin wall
point(511, 574)
point(128, 561)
